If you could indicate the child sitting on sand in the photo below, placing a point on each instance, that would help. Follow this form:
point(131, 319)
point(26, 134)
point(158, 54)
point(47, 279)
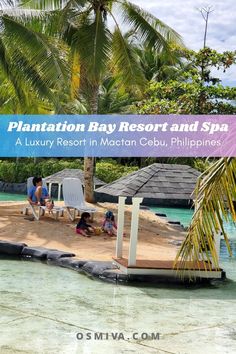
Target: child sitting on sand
point(109, 224)
point(50, 205)
point(83, 228)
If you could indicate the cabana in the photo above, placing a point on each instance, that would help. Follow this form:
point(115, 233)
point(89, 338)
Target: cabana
point(157, 184)
point(57, 179)
point(134, 266)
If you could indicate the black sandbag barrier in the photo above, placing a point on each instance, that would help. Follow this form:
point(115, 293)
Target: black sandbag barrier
point(67, 262)
point(94, 269)
point(161, 215)
point(102, 270)
point(44, 253)
point(106, 271)
point(11, 248)
point(59, 254)
point(97, 268)
point(174, 222)
point(35, 252)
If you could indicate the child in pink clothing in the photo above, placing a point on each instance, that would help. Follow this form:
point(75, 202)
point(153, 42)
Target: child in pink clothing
point(83, 228)
point(109, 224)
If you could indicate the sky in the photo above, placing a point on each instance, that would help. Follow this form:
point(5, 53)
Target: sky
point(184, 17)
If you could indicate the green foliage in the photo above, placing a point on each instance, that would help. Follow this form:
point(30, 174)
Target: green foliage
point(85, 27)
point(215, 195)
point(18, 172)
point(201, 164)
point(164, 65)
point(30, 66)
point(109, 170)
point(7, 171)
point(112, 99)
point(195, 91)
point(51, 166)
point(174, 97)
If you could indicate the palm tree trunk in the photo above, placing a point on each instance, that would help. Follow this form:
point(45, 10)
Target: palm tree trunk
point(89, 162)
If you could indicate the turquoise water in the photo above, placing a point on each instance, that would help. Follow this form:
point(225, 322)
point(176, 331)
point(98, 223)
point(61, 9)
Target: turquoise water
point(42, 308)
point(11, 197)
point(185, 215)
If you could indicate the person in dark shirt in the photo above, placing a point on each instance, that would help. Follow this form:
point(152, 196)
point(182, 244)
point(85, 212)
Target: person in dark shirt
point(83, 228)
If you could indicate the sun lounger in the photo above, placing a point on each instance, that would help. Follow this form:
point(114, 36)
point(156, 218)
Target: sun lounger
point(74, 198)
point(39, 210)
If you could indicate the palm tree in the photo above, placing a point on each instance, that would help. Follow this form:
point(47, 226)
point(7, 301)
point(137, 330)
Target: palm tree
point(29, 64)
point(215, 201)
point(112, 99)
point(94, 32)
point(163, 65)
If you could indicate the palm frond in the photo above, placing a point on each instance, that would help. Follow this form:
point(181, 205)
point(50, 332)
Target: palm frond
point(4, 60)
point(126, 63)
point(43, 4)
point(53, 16)
point(22, 13)
point(92, 40)
point(153, 32)
point(6, 4)
point(9, 72)
point(37, 49)
point(17, 97)
point(52, 5)
point(215, 197)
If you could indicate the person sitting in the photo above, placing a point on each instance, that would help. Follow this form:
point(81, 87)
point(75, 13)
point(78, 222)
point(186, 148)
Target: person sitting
point(83, 228)
point(109, 224)
point(38, 195)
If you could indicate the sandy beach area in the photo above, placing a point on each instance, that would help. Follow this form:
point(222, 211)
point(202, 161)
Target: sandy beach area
point(157, 239)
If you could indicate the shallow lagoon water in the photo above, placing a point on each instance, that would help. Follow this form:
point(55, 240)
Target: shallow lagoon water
point(184, 216)
point(11, 197)
point(43, 308)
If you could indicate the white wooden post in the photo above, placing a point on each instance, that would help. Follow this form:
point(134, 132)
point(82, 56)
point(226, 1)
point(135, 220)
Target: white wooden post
point(59, 192)
point(120, 227)
point(217, 240)
point(50, 189)
point(217, 245)
point(134, 231)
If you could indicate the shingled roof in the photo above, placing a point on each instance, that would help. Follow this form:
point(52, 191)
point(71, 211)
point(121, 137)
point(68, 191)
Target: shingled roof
point(156, 182)
point(58, 177)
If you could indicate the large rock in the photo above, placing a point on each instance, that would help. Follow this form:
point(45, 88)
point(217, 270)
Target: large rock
point(11, 248)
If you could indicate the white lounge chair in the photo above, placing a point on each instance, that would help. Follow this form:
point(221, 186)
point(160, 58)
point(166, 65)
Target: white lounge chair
point(74, 197)
point(39, 210)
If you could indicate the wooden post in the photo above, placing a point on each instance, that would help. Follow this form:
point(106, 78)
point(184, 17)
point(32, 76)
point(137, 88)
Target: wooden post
point(134, 231)
point(50, 189)
point(120, 227)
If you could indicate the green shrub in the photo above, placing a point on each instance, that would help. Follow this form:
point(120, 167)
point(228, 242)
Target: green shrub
point(7, 171)
point(201, 165)
point(18, 172)
point(110, 171)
